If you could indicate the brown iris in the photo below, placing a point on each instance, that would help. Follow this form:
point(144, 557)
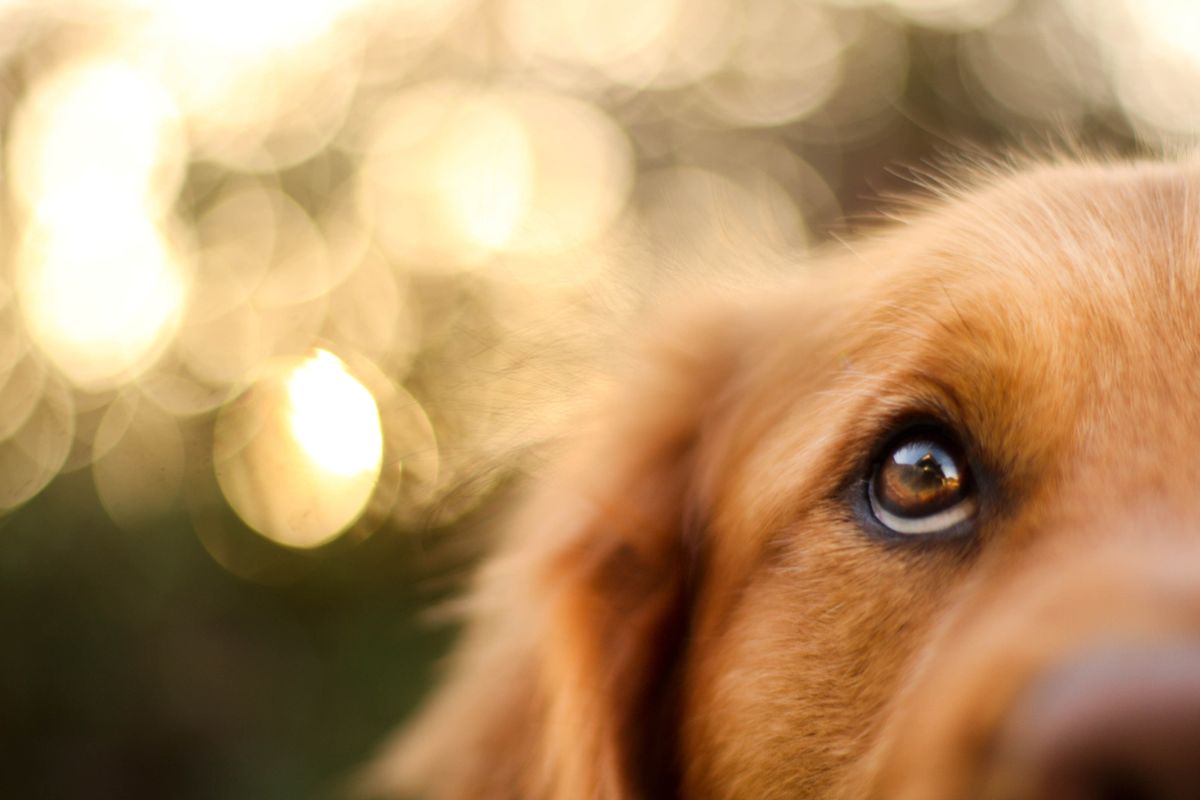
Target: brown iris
point(920, 475)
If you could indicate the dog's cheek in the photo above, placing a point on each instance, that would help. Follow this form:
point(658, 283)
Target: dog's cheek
point(1020, 620)
point(788, 686)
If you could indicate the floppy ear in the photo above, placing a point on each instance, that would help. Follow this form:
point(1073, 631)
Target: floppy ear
point(563, 685)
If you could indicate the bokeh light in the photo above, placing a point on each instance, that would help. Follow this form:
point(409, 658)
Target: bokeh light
point(262, 84)
point(333, 417)
point(299, 454)
point(100, 284)
point(787, 62)
point(622, 39)
point(97, 156)
point(100, 125)
point(454, 174)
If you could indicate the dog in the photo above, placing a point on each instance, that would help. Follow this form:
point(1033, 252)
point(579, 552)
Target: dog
point(921, 524)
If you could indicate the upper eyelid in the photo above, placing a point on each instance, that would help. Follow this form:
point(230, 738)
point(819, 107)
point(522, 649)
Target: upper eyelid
point(875, 431)
point(886, 406)
point(917, 413)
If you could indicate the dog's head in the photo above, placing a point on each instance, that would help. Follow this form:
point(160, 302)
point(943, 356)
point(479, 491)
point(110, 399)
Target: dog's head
point(925, 525)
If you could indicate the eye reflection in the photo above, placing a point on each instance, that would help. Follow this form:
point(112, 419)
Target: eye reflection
point(922, 485)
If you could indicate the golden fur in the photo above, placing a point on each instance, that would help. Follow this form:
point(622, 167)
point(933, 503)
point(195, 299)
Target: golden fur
point(688, 608)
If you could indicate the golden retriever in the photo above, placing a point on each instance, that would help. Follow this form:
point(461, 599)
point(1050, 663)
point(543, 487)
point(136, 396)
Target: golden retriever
point(924, 525)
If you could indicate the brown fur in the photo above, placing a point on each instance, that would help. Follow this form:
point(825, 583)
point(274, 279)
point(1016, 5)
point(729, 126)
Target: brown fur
point(689, 608)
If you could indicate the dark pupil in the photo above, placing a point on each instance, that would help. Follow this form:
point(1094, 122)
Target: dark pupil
point(918, 478)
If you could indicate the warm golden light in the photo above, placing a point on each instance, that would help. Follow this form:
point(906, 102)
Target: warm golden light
point(1157, 70)
point(433, 185)
point(333, 417)
point(787, 61)
point(100, 286)
point(262, 84)
point(261, 285)
point(454, 175)
point(486, 174)
point(100, 126)
point(250, 28)
point(373, 311)
point(1175, 23)
point(97, 156)
point(623, 38)
point(299, 455)
point(582, 172)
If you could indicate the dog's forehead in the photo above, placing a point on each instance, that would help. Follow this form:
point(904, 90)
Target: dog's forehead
point(1060, 306)
point(1097, 270)
point(1117, 243)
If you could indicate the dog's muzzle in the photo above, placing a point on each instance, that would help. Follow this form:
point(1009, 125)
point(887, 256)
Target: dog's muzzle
point(1117, 725)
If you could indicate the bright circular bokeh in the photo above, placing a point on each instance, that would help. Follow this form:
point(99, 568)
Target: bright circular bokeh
point(97, 157)
point(101, 287)
point(97, 123)
point(299, 454)
point(262, 85)
point(454, 174)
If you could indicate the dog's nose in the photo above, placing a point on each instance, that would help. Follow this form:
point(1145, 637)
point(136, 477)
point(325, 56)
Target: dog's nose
point(1122, 725)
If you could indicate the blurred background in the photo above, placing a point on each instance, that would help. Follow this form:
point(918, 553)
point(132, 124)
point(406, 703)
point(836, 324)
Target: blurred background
point(293, 292)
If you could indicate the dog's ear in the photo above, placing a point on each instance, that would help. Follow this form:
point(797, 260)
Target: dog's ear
point(562, 688)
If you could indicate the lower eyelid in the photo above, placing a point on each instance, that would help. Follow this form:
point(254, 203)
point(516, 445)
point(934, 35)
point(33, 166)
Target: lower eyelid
point(934, 523)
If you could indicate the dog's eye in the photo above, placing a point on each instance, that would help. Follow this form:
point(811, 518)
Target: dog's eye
point(922, 484)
